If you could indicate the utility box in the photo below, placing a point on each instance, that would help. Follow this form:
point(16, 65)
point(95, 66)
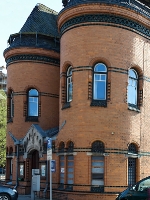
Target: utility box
point(36, 183)
point(35, 172)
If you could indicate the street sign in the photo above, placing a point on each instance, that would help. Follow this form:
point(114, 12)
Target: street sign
point(49, 143)
point(49, 154)
point(53, 166)
point(49, 149)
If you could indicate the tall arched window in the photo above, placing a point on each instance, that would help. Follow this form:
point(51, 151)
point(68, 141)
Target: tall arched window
point(70, 166)
point(62, 165)
point(33, 103)
point(11, 105)
point(100, 82)
point(132, 87)
point(69, 84)
point(97, 173)
point(132, 165)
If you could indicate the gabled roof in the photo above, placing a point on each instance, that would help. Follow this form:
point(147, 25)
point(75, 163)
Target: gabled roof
point(42, 20)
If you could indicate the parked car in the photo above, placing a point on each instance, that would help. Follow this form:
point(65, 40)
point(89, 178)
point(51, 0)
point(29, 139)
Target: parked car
point(140, 191)
point(6, 193)
point(2, 171)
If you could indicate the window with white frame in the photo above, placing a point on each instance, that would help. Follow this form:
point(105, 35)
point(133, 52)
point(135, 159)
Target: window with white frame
point(100, 82)
point(69, 84)
point(132, 87)
point(33, 102)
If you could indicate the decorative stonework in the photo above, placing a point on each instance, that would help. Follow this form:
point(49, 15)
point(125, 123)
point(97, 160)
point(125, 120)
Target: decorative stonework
point(35, 58)
point(134, 5)
point(32, 141)
point(106, 20)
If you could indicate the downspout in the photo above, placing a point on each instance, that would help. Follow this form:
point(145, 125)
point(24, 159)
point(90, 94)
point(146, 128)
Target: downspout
point(17, 163)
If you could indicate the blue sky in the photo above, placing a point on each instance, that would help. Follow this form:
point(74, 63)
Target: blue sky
point(13, 16)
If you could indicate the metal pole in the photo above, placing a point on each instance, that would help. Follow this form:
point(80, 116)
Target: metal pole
point(50, 181)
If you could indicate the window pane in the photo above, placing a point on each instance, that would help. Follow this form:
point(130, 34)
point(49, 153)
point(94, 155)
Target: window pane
point(69, 91)
point(33, 92)
point(100, 67)
point(97, 164)
point(70, 176)
point(70, 158)
point(33, 107)
point(70, 169)
point(69, 72)
point(98, 158)
point(97, 182)
point(97, 170)
point(132, 95)
point(70, 163)
point(100, 90)
point(70, 182)
point(132, 73)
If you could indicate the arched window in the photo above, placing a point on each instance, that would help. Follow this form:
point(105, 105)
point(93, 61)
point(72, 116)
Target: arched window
point(11, 105)
point(132, 165)
point(100, 82)
point(33, 103)
point(97, 173)
point(62, 165)
point(132, 87)
point(70, 166)
point(69, 84)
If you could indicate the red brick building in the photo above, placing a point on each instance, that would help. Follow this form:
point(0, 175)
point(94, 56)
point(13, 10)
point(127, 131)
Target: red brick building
point(82, 78)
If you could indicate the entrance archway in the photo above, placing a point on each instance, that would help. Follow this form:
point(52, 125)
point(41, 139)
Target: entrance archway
point(35, 160)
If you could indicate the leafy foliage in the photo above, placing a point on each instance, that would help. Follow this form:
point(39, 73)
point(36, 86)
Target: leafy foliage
point(3, 122)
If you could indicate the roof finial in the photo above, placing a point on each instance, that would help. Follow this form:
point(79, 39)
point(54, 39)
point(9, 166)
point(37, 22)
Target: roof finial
point(64, 2)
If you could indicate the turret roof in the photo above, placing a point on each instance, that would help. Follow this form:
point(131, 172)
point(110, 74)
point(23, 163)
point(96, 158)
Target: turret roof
point(42, 20)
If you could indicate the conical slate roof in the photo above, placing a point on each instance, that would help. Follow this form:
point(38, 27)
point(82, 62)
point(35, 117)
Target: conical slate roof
point(42, 20)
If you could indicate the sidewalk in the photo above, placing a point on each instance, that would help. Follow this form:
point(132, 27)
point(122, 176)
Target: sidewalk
point(28, 197)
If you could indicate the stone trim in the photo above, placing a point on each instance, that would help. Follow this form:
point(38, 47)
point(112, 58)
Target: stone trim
point(106, 20)
point(34, 58)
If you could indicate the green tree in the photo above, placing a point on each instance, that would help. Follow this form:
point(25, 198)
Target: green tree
point(3, 122)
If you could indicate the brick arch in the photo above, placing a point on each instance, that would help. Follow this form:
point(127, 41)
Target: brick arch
point(61, 146)
point(137, 69)
point(99, 146)
point(70, 145)
point(10, 89)
point(133, 143)
point(66, 65)
point(28, 87)
point(96, 60)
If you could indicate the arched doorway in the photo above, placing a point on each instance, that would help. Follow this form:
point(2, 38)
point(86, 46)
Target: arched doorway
point(35, 160)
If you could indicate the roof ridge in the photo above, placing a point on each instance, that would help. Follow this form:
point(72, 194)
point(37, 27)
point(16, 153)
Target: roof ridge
point(44, 8)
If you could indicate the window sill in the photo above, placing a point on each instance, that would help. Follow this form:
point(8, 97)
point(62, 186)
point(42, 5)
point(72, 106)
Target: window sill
point(133, 108)
point(32, 119)
point(100, 103)
point(99, 189)
point(66, 105)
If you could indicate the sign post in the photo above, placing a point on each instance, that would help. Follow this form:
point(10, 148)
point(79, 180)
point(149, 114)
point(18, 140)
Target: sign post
point(49, 157)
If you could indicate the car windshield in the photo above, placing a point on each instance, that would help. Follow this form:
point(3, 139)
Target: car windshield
point(144, 185)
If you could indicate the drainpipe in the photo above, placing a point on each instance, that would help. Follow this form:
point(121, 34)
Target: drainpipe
point(17, 162)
